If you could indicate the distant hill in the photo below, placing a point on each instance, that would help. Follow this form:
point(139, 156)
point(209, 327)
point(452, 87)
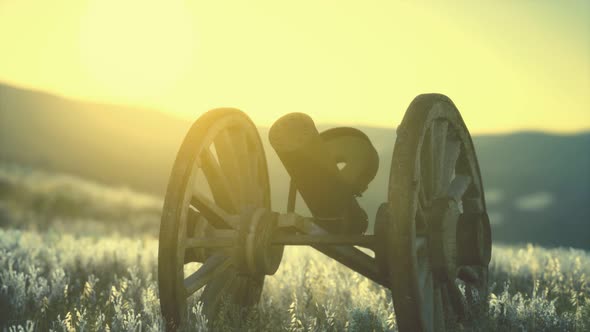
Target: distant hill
point(538, 187)
point(537, 184)
point(116, 145)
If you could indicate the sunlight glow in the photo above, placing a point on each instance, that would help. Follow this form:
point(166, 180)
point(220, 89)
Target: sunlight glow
point(138, 48)
point(508, 65)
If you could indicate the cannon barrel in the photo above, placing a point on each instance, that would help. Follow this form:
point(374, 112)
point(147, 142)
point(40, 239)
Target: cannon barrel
point(314, 170)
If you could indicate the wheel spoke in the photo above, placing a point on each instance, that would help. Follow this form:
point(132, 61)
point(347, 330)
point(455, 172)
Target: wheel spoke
point(438, 318)
point(243, 158)
point(422, 196)
point(192, 221)
point(214, 215)
point(451, 155)
point(218, 182)
point(242, 290)
point(250, 155)
point(459, 186)
point(440, 141)
point(455, 298)
point(421, 246)
point(214, 266)
point(241, 150)
point(427, 164)
point(214, 291)
point(255, 185)
point(428, 299)
point(226, 153)
point(421, 225)
point(424, 272)
point(425, 280)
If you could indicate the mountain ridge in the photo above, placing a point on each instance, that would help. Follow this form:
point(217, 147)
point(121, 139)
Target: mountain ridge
point(542, 180)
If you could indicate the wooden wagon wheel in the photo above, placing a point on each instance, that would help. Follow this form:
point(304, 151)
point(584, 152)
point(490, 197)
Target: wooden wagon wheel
point(436, 225)
point(218, 185)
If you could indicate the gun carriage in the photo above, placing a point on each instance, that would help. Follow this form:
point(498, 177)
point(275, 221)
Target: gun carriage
point(431, 243)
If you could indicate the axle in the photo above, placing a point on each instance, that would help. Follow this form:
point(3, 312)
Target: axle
point(292, 230)
point(257, 244)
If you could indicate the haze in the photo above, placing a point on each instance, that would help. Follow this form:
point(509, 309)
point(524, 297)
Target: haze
point(508, 65)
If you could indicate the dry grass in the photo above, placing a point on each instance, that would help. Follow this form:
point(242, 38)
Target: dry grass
point(65, 282)
point(68, 263)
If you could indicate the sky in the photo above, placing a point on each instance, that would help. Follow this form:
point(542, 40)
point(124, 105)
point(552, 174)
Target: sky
point(507, 65)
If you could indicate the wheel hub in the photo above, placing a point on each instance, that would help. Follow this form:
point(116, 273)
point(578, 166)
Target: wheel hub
point(255, 253)
point(456, 239)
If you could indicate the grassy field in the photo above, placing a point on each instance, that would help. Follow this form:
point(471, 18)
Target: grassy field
point(76, 256)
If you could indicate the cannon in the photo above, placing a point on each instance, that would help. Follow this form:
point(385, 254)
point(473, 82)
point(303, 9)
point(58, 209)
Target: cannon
point(431, 240)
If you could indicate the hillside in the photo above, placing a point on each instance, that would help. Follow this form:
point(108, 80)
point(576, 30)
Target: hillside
point(537, 184)
point(116, 145)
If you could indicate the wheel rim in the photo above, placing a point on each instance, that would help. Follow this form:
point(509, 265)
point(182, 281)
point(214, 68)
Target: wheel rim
point(220, 177)
point(433, 161)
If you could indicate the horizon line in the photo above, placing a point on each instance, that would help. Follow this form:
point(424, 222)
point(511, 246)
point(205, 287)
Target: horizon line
point(163, 111)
